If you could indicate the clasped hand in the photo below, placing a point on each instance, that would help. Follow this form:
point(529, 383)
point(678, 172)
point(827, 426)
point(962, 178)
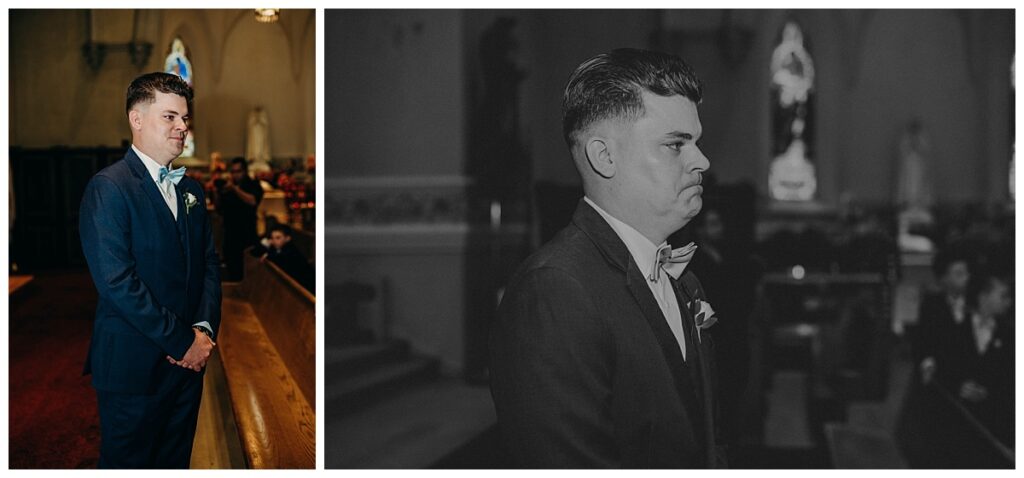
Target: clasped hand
point(196, 356)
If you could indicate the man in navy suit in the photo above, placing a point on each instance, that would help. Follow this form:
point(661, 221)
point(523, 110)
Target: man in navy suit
point(600, 354)
point(149, 246)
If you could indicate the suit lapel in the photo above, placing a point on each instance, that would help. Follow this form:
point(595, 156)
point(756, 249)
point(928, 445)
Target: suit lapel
point(182, 221)
point(656, 321)
point(183, 224)
point(687, 289)
point(615, 252)
point(146, 183)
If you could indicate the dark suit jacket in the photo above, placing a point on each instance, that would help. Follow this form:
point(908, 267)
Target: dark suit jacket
point(585, 371)
point(993, 370)
point(155, 276)
point(937, 335)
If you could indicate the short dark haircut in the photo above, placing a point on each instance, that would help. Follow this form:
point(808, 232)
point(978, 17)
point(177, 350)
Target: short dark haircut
point(610, 85)
point(983, 282)
point(143, 89)
point(282, 228)
point(945, 258)
point(242, 161)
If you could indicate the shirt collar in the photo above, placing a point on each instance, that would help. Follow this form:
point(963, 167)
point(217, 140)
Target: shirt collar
point(981, 322)
point(151, 165)
point(641, 248)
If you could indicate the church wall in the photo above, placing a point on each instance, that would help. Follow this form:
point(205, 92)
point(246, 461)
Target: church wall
point(393, 93)
point(56, 99)
point(395, 155)
point(919, 64)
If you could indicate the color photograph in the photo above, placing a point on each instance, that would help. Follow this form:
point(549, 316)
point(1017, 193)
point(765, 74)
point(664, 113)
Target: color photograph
point(162, 237)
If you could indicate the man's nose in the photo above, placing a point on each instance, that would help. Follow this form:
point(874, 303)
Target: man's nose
point(701, 162)
point(180, 125)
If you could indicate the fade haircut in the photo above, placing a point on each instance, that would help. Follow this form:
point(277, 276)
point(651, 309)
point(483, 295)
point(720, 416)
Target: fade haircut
point(610, 85)
point(143, 89)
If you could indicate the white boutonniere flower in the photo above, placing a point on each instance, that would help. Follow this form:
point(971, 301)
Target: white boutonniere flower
point(190, 200)
point(704, 317)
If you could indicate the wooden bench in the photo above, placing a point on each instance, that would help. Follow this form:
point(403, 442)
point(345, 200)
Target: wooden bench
point(267, 342)
point(16, 283)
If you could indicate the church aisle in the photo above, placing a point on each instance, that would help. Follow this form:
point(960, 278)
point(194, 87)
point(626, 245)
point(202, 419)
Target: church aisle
point(52, 409)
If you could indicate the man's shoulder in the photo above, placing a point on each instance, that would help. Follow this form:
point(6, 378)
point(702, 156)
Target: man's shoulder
point(572, 255)
point(113, 178)
point(564, 251)
point(117, 172)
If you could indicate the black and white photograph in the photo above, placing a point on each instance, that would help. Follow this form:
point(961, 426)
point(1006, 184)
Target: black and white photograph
point(749, 239)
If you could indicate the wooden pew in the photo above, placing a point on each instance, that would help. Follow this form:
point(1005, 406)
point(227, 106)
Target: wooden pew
point(267, 342)
point(16, 283)
point(936, 431)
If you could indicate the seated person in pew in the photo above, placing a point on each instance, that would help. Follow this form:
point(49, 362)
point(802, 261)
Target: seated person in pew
point(985, 371)
point(277, 247)
point(941, 314)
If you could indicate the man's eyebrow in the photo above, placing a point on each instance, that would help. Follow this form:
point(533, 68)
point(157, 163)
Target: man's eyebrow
point(172, 112)
point(680, 134)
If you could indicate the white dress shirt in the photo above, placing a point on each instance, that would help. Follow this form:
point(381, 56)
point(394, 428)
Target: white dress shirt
point(167, 188)
point(958, 306)
point(644, 252)
point(984, 328)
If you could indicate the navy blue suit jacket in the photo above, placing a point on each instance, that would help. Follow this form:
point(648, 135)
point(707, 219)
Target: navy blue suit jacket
point(585, 371)
point(156, 276)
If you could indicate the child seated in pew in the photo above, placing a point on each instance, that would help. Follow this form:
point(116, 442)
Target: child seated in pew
point(277, 247)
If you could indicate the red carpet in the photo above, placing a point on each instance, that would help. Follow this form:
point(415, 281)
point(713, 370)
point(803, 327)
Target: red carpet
point(53, 418)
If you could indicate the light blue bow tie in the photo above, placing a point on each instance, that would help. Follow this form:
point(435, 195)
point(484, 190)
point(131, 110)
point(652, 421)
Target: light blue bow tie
point(174, 175)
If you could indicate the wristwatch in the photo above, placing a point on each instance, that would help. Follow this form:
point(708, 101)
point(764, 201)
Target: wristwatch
point(203, 330)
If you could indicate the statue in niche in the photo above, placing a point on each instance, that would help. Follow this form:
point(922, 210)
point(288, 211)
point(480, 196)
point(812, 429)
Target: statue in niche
point(913, 190)
point(257, 145)
point(498, 160)
point(792, 67)
point(792, 175)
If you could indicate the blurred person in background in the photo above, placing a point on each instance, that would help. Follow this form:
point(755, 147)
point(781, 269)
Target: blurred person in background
point(237, 197)
point(277, 247)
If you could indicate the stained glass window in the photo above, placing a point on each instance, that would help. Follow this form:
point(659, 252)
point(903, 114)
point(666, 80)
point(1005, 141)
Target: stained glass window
point(792, 174)
point(178, 63)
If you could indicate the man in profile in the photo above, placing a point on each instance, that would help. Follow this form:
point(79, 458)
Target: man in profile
point(600, 355)
point(147, 240)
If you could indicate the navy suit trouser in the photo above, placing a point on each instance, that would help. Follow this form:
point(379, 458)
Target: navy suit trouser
point(151, 430)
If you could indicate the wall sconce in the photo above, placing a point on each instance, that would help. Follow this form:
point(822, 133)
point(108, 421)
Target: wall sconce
point(95, 52)
point(267, 15)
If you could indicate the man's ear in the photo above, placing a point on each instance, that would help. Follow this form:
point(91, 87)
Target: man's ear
point(599, 156)
point(135, 119)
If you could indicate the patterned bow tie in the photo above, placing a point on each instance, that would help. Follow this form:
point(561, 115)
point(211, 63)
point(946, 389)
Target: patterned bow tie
point(674, 261)
point(174, 175)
